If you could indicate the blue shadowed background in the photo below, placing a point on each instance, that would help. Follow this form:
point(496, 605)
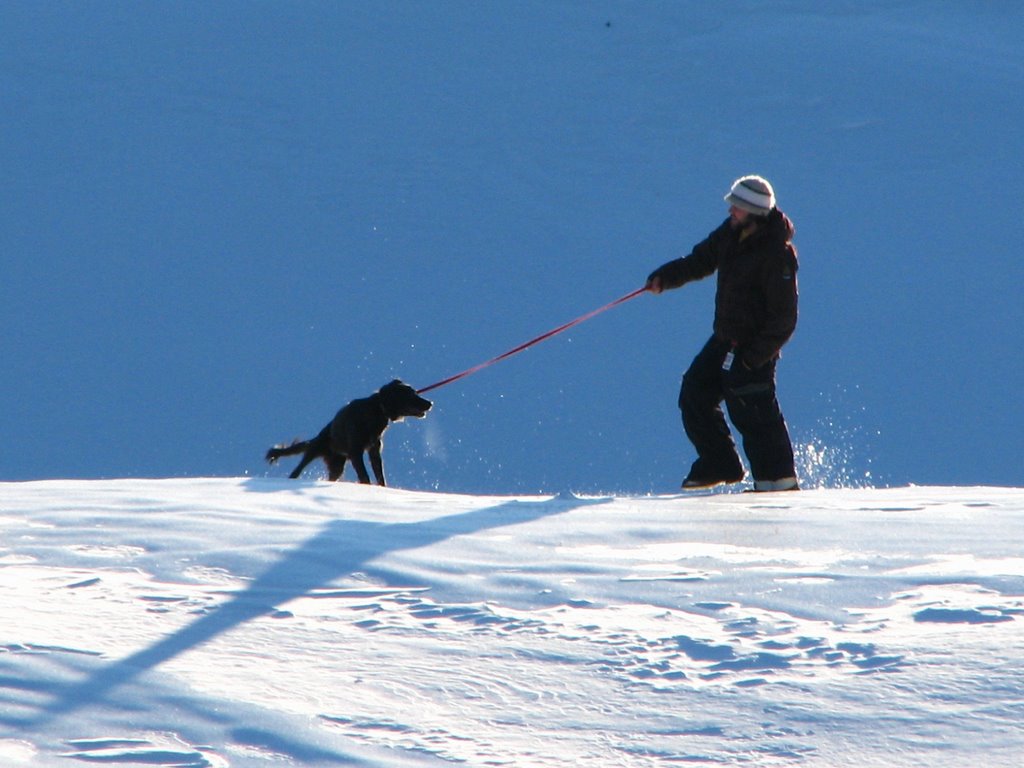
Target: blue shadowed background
point(222, 221)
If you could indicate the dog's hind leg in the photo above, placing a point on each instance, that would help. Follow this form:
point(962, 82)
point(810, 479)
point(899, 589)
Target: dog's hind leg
point(335, 466)
point(360, 467)
point(315, 448)
point(307, 457)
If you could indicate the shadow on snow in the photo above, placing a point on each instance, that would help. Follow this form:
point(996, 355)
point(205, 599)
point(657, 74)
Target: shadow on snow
point(341, 548)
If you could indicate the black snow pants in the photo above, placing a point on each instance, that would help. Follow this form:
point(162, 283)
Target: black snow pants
point(753, 408)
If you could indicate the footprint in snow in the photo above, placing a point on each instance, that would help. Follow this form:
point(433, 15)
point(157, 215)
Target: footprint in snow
point(139, 751)
point(962, 616)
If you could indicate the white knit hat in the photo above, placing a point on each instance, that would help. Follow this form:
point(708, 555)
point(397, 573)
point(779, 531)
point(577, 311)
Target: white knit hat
point(752, 194)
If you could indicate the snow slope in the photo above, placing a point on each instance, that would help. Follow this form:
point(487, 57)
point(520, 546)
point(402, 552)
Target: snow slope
point(258, 622)
point(220, 221)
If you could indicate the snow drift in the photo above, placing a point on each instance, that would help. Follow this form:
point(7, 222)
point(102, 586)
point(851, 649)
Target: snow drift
point(252, 622)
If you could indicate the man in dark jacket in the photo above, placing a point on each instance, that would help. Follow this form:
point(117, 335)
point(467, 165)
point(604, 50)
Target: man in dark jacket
point(755, 315)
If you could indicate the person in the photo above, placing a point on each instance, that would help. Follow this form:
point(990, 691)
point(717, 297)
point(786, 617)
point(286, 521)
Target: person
point(755, 315)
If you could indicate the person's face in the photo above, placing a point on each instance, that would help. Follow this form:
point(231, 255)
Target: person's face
point(738, 217)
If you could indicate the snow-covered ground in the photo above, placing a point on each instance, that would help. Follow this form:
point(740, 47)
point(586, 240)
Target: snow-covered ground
point(222, 221)
point(262, 622)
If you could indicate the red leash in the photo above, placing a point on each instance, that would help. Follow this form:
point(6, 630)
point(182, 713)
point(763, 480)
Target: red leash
point(531, 342)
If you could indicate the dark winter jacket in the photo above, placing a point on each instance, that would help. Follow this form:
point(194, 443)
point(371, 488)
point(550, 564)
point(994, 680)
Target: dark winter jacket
point(756, 299)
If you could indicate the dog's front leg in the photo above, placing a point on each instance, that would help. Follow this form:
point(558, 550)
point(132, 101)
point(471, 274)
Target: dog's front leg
point(377, 462)
point(359, 466)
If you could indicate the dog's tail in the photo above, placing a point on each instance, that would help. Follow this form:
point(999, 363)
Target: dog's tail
point(275, 453)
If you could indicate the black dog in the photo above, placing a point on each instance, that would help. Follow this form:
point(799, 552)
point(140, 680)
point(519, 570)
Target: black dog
point(356, 428)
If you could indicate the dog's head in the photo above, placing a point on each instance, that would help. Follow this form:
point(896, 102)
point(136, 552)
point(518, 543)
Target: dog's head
point(400, 400)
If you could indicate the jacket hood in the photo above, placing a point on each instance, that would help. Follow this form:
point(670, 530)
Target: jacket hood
point(778, 226)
